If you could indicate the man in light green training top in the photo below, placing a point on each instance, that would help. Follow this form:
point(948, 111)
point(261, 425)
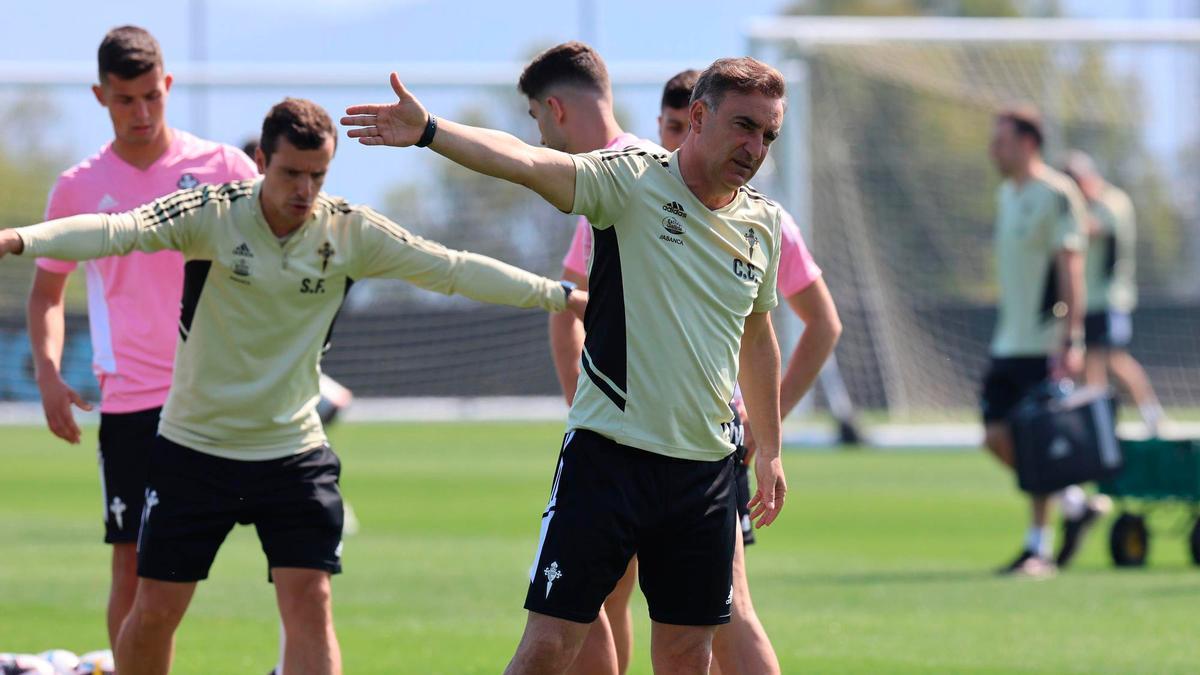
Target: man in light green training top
point(267, 264)
point(1111, 287)
point(682, 281)
point(1040, 246)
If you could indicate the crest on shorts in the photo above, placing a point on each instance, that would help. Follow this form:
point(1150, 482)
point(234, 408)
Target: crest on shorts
point(117, 507)
point(552, 573)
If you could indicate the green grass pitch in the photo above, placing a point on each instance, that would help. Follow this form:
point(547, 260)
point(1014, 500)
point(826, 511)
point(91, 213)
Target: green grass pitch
point(879, 564)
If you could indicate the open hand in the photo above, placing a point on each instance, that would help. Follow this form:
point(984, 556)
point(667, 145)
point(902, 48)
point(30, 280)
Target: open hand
point(57, 399)
point(398, 124)
point(771, 489)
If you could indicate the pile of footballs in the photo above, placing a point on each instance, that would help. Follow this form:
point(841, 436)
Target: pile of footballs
point(57, 662)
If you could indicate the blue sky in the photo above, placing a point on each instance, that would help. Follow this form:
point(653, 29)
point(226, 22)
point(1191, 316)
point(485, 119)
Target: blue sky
point(406, 31)
point(366, 31)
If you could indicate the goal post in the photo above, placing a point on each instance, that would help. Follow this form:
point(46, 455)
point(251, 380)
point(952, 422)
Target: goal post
point(884, 162)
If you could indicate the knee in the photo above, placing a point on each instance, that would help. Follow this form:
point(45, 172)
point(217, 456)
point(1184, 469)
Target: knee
point(690, 653)
point(690, 658)
point(308, 601)
point(546, 652)
point(151, 616)
point(315, 594)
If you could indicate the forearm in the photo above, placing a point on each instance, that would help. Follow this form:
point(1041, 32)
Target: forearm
point(1071, 283)
point(812, 350)
point(81, 237)
point(566, 346)
point(495, 153)
point(46, 335)
point(759, 368)
point(488, 280)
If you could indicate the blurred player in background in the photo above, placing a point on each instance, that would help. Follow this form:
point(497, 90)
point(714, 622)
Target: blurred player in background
point(1110, 275)
point(268, 264)
point(133, 301)
point(1040, 247)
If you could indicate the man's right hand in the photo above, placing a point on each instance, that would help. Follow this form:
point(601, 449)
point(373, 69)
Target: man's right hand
point(10, 242)
point(1068, 364)
point(577, 303)
point(398, 124)
point(57, 399)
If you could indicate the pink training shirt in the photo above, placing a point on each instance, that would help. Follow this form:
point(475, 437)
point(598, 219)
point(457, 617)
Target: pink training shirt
point(133, 300)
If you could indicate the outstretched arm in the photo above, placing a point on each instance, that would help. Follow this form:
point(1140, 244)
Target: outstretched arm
point(390, 251)
point(547, 172)
point(166, 223)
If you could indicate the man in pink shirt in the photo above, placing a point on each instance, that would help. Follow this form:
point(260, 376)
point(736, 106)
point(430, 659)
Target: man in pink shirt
point(133, 301)
point(742, 646)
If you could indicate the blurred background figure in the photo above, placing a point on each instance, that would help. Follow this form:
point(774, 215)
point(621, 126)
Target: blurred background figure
point(1111, 281)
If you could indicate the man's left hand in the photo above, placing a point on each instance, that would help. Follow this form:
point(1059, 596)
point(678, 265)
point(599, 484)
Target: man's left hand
point(771, 489)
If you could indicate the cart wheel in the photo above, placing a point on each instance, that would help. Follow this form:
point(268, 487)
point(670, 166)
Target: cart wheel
point(1195, 542)
point(1129, 542)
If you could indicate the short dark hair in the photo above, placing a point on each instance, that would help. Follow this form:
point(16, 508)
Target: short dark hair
point(744, 75)
point(678, 92)
point(572, 63)
point(1026, 121)
point(305, 124)
point(128, 52)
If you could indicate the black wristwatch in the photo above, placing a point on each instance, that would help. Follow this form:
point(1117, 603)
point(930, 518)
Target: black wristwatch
point(568, 288)
point(427, 135)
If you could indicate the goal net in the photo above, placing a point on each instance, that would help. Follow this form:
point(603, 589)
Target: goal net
point(887, 165)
